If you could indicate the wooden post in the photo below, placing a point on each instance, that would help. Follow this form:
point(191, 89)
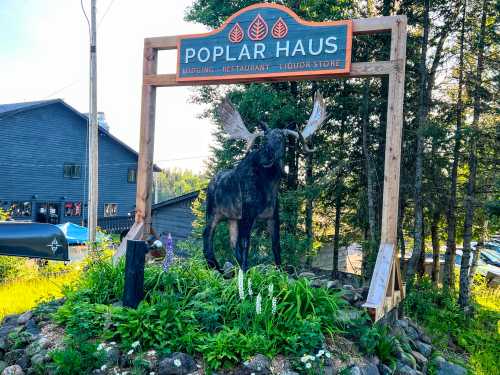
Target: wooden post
point(146, 147)
point(133, 292)
point(387, 264)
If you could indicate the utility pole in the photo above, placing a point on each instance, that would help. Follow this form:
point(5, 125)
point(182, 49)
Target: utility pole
point(93, 133)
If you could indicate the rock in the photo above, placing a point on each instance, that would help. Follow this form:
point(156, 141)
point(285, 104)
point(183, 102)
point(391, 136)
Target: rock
point(228, 269)
point(112, 355)
point(402, 323)
point(423, 348)
point(425, 339)
point(13, 370)
point(348, 287)
point(318, 283)
point(280, 365)
point(369, 369)
point(333, 284)
point(23, 318)
point(443, 367)
point(177, 364)
point(32, 328)
point(259, 364)
point(353, 370)
point(308, 275)
point(3, 344)
point(151, 357)
point(402, 369)
point(408, 360)
point(13, 356)
point(421, 360)
point(385, 370)
point(412, 333)
point(351, 296)
point(38, 359)
point(398, 349)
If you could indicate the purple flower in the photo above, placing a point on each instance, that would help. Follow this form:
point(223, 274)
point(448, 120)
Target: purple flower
point(169, 253)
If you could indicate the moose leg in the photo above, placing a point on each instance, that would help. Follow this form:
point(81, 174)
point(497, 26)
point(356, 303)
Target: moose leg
point(273, 227)
point(233, 239)
point(244, 229)
point(208, 234)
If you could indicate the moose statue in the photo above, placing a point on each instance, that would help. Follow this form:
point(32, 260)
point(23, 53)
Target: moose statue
point(249, 191)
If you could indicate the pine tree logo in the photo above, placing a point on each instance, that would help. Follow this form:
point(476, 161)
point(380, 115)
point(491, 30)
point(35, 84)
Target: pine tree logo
point(280, 29)
point(236, 34)
point(258, 29)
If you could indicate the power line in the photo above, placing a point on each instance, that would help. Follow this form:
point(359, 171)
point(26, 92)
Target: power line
point(110, 4)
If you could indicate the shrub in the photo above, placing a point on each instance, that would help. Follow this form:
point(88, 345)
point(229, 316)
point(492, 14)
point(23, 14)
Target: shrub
point(194, 309)
point(77, 357)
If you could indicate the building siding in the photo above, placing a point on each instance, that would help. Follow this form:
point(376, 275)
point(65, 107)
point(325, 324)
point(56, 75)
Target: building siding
point(34, 146)
point(176, 219)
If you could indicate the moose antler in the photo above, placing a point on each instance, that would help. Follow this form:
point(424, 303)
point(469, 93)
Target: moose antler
point(234, 125)
point(316, 119)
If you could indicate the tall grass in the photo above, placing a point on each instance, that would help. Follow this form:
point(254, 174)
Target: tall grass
point(32, 287)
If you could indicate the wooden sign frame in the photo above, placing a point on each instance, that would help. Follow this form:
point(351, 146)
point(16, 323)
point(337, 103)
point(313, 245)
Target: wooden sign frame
point(386, 288)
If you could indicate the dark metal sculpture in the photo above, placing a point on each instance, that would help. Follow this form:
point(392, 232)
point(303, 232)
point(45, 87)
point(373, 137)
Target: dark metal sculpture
point(250, 190)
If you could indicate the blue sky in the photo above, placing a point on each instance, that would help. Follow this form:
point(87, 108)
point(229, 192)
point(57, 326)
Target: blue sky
point(44, 55)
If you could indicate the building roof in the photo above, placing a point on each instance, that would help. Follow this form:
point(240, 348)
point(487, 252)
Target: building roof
point(188, 196)
point(15, 108)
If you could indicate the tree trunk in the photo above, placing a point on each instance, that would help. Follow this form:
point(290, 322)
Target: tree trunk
point(401, 238)
point(435, 246)
point(368, 168)
point(464, 292)
point(309, 207)
point(336, 237)
point(451, 246)
point(422, 119)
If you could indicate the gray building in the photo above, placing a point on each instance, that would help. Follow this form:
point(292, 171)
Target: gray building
point(174, 216)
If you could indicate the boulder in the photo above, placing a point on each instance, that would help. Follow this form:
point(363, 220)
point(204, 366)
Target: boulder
point(13, 356)
point(421, 360)
point(412, 333)
point(280, 365)
point(408, 360)
point(13, 370)
point(385, 370)
point(351, 296)
point(38, 359)
point(319, 283)
point(348, 287)
point(369, 369)
point(308, 275)
point(333, 284)
point(177, 364)
point(443, 367)
point(23, 318)
point(423, 348)
point(402, 369)
point(402, 323)
point(425, 339)
point(259, 364)
point(32, 328)
point(353, 370)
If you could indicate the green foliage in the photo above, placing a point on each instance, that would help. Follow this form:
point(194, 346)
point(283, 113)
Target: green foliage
point(478, 335)
point(173, 182)
point(77, 357)
point(196, 310)
point(376, 340)
point(11, 267)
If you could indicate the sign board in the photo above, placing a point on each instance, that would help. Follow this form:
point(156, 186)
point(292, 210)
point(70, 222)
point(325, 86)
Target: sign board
point(265, 41)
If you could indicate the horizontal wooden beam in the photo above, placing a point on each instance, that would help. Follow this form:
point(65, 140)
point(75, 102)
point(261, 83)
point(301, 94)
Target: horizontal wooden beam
point(359, 26)
point(360, 69)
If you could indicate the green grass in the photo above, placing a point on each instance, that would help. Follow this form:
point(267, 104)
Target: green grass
point(32, 287)
point(478, 336)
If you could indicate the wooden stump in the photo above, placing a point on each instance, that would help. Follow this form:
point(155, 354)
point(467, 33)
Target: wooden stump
point(133, 292)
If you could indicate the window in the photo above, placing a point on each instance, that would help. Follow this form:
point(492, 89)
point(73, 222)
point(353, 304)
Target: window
point(110, 209)
point(132, 175)
point(73, 208)
point(19, 209)
point(72, 170)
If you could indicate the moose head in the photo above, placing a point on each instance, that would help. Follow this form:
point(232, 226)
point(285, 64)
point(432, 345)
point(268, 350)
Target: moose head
point(249, 192)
